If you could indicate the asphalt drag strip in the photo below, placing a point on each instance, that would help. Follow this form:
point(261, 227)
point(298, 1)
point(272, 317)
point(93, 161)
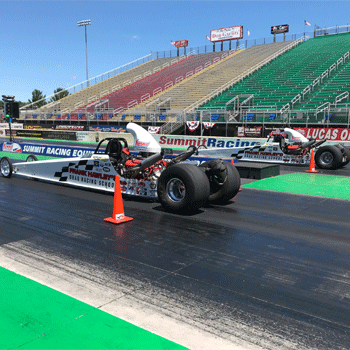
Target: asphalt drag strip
point(269, 270)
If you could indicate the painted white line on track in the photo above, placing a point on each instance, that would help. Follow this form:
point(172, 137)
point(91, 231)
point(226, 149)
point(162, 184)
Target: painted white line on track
point(63, 278)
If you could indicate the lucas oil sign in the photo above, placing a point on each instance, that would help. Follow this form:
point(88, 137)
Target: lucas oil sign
point(331, 134)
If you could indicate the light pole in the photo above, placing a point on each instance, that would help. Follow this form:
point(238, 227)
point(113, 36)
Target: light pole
point(80, 24)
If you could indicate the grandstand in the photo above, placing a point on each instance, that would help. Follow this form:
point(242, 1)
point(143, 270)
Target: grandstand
point(300, 81)
point(308, 76)
point(93, 94)
point(214, 76)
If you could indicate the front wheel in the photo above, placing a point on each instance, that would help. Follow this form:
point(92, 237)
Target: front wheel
point(31, 158)
point(6, 167)
point(329, 157)
point(183, 188)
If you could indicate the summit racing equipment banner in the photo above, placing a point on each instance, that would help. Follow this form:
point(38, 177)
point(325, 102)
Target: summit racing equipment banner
point(46, 150)
point(182, 142)
point(331, 134)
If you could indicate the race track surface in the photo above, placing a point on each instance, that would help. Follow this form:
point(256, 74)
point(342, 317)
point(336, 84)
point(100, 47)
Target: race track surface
point(267, 271)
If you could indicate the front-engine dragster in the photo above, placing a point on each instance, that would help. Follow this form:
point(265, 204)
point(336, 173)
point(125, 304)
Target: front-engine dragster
point(287, 146)
point(178, 185)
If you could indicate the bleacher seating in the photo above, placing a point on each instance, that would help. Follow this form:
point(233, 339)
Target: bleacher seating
point(147, 87)
point(336, 84)
point(218, 73)
point(277, 83)
point(183, 83)
point(93, 92)
point(249, 117)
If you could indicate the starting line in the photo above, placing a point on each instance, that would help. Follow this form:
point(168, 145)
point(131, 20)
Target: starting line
point(337, 187)
point(38, 317)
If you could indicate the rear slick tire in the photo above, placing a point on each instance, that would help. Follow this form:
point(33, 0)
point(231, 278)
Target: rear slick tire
point(346, 154)
point(183, 188)
point(329, 157)
point(221, 194)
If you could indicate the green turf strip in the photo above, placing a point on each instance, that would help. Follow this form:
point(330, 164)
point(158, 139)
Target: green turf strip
point(22, 156)
point(309, 184)
point(33, 316)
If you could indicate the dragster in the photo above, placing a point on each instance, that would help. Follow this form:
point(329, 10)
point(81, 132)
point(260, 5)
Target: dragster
point(178, 184)
point(289, 147)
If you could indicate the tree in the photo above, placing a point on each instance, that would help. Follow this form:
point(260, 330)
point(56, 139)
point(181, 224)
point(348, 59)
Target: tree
point(20, 104)
point(59, 93)
point(38, 98)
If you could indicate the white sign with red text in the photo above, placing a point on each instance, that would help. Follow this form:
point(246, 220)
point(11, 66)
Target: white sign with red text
point(331, 134)
point(14, 126)
point(228, 33)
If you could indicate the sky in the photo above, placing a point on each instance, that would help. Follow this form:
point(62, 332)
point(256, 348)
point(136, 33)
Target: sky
point(43, 48)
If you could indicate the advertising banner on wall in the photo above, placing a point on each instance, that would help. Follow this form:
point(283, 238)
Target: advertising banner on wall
point(13, 132)
point(31, 127)
point(247, 131)
point(284, 28)
point(107, 128)
point(85, 136)
point(14, 126)
point(331, 134)
point(70, 127)
point(228, 33)
point(45, 150)
point(59, 135)
point(37, 134)
point(181, 43)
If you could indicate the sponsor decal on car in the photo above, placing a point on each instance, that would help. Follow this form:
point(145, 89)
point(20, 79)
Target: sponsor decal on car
point(141, 144)
point(11, 147)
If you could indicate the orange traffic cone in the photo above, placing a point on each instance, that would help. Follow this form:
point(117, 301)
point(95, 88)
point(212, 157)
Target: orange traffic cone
point(312, 164)
point(118, 208)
